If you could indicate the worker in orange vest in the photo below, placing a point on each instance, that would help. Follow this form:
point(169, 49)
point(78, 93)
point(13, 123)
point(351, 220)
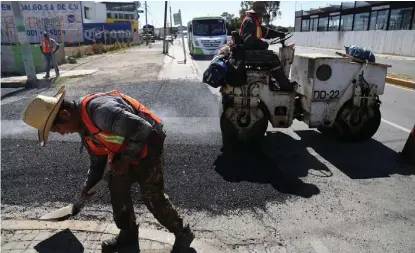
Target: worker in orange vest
point(251, 32)
point(49, 46)
point(116, 127)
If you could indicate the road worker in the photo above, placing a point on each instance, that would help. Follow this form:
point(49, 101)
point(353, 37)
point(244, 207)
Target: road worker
point(49, 47)
point(252, 31)
point(116, 127)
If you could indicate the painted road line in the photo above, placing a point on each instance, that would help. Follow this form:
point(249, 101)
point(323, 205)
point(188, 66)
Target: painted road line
point(319, 247)
point(396, 125)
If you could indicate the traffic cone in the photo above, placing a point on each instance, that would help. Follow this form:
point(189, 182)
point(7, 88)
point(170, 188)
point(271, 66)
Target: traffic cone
point(408, 151)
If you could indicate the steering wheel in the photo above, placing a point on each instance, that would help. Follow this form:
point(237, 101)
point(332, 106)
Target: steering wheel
point(279, 40)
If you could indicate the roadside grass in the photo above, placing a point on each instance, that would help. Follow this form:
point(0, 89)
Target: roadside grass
point(97, 48)
point(58, 82)
point(401, 76)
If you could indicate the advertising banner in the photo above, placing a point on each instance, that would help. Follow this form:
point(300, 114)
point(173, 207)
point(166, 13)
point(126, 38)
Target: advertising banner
point(107, 33)
point(62, 20)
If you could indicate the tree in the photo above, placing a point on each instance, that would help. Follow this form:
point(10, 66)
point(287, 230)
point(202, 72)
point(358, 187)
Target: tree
point(233, 22)
point(272, 7)
point(228, 17)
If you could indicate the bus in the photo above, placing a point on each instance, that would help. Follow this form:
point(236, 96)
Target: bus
point(206, 35)
point(150, 30)
point(122, 12)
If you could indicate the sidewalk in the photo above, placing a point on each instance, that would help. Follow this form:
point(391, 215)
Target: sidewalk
point(24, 236)
point(174, 66)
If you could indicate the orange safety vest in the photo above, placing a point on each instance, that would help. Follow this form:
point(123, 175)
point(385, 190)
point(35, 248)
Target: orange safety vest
point(258, 26)
point(47, 47)
point(110, 143)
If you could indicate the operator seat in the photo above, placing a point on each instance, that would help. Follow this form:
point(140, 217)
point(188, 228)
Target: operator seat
point(260, 58)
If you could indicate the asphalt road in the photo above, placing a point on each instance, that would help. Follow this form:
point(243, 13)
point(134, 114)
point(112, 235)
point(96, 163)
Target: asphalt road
point(332, 197)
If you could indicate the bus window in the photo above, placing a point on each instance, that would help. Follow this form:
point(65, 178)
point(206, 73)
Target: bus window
point(208, 27)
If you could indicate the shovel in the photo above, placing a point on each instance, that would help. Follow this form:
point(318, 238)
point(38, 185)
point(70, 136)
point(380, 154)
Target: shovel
point(73, 209)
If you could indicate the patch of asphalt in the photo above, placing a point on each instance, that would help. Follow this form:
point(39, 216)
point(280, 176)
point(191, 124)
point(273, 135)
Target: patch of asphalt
point(168, 98)
point(233, 201)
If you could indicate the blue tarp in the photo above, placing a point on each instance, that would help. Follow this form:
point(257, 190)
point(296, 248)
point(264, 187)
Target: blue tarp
point(360, 53)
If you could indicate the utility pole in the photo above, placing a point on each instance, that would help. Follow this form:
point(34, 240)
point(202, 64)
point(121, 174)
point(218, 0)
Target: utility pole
point(171, 25)
point(165, 45)
point(181, 31)
point(145, 4)
point(23, 42)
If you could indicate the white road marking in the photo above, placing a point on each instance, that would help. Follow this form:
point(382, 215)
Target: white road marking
point(319, 247)
point(399, 87)
point(396, 125)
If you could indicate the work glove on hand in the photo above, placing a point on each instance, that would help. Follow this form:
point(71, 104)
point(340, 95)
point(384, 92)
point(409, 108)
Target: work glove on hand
point(85, 195)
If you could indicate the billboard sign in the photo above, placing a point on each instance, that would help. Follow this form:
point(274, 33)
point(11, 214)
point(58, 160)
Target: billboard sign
point(109, 32)
point(63, 20)
point(177, 19)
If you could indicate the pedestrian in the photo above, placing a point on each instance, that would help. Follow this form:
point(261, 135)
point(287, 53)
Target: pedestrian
point(116, 127)
point(49, 47)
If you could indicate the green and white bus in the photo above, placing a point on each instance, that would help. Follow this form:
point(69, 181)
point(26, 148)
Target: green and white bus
point(206, 35)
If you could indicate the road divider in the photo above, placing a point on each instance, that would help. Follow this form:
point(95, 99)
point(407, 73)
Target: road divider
point(400, 82)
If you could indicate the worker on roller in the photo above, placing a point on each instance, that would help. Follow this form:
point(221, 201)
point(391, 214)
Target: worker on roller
point(252, 31)
point(116, 127)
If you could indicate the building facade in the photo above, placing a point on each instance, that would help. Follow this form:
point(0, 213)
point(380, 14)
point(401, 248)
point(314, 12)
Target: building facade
point(123, 12)
point(358, 16)
point(62, 19)
point(383, 27)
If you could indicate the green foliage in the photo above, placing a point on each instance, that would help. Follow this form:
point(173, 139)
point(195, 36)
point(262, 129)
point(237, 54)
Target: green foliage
point(233, 22)
point(272, 7)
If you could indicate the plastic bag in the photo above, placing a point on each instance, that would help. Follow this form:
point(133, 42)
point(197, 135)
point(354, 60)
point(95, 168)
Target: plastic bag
point(360, 53)
point(215, 74)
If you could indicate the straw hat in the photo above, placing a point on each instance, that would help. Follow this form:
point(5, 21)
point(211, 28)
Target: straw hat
point(41, 113)
point(258, 7)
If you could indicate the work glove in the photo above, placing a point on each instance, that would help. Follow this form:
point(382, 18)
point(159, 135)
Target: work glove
point(85, 195)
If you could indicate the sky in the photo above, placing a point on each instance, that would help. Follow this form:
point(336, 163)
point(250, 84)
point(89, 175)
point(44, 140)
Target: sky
point(190, 9)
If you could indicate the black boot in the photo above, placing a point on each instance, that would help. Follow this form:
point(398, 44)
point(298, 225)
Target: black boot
point(284, 83)
point(183, 241)
point(124, 240)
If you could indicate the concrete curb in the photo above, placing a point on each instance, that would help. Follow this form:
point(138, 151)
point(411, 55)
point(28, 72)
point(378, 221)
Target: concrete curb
point(400, 82)
point(96, 227)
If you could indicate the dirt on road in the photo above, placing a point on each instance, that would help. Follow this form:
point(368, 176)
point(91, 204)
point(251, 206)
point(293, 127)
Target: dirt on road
point(132, 65)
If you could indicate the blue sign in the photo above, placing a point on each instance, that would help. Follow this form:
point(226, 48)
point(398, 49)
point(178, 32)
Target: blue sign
point(100, 32)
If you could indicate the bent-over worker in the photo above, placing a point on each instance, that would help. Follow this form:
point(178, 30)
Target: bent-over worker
point(116, 127)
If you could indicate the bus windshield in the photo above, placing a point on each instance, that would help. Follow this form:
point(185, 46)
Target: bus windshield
point(211, 27)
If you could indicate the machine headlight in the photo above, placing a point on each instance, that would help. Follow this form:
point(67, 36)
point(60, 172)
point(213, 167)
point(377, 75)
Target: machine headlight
point(196, 43)
point(323, 72)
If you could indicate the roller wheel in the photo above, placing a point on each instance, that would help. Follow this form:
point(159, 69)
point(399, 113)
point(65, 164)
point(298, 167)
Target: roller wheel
point(343, 130)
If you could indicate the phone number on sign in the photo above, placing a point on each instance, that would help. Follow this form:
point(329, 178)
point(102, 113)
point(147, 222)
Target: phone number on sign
point(39, 32)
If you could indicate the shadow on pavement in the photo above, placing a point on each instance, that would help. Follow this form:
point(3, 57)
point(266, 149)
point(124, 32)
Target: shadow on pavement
point(292, 156)
point(41, 83)
point(63, 242)
point(202, 57)
point(370, 159)
point(21, 91)
point(253, 165)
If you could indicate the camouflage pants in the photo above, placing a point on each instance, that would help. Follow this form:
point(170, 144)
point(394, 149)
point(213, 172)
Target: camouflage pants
point(150, 179)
